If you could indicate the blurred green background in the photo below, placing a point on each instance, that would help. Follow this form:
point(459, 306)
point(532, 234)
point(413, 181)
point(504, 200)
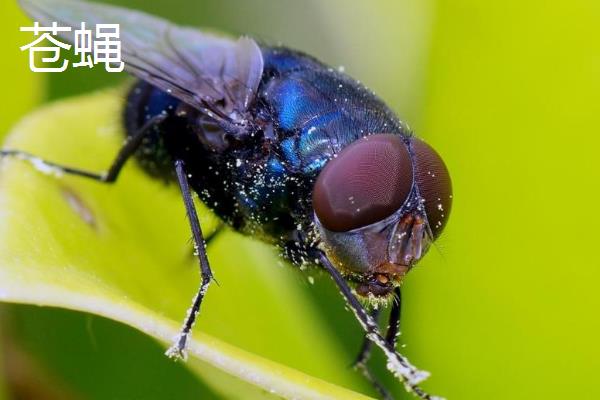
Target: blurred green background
point(508, 93)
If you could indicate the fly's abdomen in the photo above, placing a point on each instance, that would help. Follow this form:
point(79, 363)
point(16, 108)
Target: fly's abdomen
point(143, 103)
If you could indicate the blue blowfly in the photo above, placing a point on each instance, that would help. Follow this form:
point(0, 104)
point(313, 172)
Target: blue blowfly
point(281, 147)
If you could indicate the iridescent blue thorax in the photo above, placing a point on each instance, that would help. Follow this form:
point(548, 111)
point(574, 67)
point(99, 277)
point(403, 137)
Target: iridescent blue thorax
point(261, 182)
point(317, 110)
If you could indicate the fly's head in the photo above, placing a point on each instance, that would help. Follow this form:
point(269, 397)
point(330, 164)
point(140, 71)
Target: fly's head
point(378, 206)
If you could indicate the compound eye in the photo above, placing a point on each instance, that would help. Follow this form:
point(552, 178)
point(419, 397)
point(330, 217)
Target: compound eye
point(434, 184)
point(368, 181)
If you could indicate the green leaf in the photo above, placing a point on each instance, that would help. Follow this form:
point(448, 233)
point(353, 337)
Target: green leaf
point(28, 85)
point(23, 87)
point(123, 252)
point(3, 394)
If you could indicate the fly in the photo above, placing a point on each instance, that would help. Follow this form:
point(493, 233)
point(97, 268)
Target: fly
point(282, 147)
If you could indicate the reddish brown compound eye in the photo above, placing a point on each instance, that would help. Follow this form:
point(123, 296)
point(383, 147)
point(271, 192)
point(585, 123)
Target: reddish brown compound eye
point(368, 181)
point(434, 184)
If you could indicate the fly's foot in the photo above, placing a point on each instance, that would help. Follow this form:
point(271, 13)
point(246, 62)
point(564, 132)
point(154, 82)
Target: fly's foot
point(177, 351)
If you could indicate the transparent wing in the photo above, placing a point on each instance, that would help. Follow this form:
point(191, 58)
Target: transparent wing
point(211, 73)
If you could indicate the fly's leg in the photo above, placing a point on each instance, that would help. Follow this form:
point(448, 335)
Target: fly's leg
point(177, 350)
point(395, 315)
point(391, 338)
point(360, 363)
point(131, 144)
point(397, 364)
point(365, 349)
point(208, 239)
